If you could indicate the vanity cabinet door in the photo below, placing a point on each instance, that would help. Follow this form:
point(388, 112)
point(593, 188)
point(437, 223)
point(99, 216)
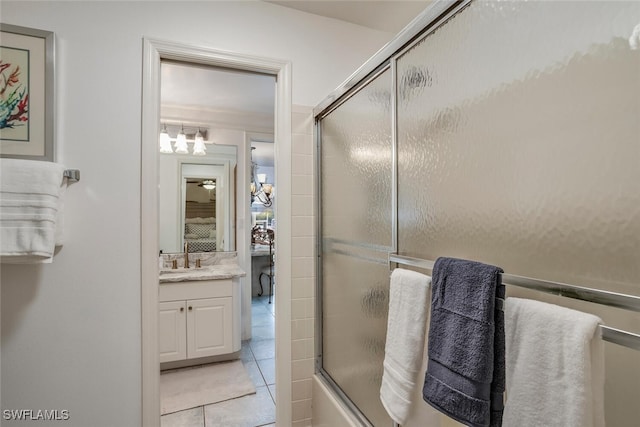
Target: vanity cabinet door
point(209, 327)
point(172, 327)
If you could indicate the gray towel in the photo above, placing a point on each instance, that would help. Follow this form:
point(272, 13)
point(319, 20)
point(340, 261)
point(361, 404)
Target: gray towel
point(466, 370)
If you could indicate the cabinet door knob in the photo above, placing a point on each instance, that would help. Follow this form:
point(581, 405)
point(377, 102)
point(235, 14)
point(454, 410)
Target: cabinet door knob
point(181, 309)
point(190, 308)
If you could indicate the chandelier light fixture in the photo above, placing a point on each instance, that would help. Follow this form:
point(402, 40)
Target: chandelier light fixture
point(182, 141)
point(261, 191)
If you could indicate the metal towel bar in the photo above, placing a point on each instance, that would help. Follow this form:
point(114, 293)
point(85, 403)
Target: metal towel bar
point(72, 175)
point(598, 296)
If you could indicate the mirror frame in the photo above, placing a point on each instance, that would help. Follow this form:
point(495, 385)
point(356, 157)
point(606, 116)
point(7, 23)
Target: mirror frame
point(225, 187)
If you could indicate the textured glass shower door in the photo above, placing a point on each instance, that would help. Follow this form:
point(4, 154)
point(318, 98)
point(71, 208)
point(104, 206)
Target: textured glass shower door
point(356, 235)
point(526, 141)
point(521, 121)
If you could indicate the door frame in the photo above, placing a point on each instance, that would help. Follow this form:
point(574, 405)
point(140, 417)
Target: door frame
point(153, 51)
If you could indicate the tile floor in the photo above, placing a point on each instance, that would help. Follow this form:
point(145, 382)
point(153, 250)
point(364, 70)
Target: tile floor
point(258, 357)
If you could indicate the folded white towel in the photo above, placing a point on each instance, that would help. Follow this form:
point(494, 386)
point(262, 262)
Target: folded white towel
point(554, 366)
point(406, 327)
point(31, 200)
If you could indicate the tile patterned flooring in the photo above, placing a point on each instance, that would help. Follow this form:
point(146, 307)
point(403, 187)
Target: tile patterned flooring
point(258, 357)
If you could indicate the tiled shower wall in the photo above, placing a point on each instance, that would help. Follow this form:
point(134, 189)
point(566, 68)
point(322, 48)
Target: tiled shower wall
point(302, 265)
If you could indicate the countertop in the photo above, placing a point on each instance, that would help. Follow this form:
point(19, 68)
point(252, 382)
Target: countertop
point(207, 272)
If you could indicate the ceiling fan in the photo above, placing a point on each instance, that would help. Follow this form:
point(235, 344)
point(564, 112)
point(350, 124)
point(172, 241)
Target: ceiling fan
point(208, 184)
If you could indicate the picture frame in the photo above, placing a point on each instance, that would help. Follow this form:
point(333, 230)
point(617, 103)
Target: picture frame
point(27, 89)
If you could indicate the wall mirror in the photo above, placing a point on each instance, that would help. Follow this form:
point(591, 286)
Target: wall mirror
point(197, 200)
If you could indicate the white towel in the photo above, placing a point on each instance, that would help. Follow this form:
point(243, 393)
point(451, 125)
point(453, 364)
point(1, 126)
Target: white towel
point(406, 327)
point(554, 366)
point(31, 201)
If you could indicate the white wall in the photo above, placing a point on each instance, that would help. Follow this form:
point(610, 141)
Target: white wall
point(71, 329)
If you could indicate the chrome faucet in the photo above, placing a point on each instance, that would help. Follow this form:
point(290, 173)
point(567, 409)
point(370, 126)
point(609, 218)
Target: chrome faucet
point(186, 254)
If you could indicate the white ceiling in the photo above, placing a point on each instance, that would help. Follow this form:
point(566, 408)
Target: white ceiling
point(215, 95)
point(389, 16)
point(216, 89)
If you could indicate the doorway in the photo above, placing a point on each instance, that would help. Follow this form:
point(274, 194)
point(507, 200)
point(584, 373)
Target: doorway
point(221, 105)
point(156, 51)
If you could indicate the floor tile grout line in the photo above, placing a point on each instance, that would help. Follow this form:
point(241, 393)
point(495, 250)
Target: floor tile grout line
point(272, 396)
point(270, 312)
point(263, 376)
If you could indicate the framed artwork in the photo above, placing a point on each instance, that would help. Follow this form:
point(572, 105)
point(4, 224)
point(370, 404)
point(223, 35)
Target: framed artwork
point(26, 93)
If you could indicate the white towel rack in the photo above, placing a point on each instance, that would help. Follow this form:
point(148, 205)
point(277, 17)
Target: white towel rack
point(598, 296)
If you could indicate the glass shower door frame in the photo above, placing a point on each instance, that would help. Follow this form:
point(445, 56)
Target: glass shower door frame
point(427, 22)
